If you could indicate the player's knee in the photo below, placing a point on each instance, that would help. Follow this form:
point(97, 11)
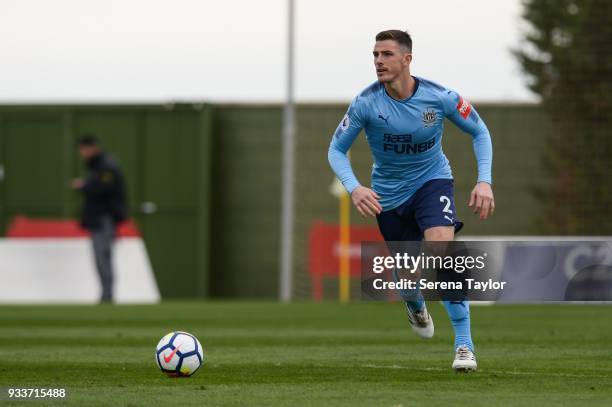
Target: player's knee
point(440, 234)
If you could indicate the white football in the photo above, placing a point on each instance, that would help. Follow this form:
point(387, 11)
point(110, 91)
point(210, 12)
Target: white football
point(179, 354)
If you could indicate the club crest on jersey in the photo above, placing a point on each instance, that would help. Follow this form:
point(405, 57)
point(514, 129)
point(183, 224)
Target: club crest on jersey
point(429, 117)
point(345, 123)
point(464, 108)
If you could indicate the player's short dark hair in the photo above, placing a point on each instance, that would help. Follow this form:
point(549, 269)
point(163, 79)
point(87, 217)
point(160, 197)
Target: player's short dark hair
point(399, 36)
point(88, 139)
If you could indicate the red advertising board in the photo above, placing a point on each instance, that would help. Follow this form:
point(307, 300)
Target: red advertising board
point(324, 252)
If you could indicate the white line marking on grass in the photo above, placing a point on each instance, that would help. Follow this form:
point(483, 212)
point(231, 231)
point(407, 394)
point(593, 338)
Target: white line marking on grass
point(500, 372)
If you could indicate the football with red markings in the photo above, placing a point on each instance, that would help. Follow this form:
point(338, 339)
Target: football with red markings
point(179, 354)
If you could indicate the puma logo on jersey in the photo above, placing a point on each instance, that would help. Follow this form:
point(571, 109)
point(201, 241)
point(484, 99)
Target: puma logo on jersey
point(380, 116)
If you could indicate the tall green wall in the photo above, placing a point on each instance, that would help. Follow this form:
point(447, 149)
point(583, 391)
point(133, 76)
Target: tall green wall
point(246, 200)
point(214, 174)
point(164, 153)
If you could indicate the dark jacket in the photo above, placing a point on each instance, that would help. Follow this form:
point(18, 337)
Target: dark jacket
point(104, 192)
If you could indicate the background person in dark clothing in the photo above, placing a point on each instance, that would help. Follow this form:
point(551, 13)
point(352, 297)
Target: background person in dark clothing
point(104, 206)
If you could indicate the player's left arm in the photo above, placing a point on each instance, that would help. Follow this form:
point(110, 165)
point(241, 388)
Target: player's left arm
point(463, 115)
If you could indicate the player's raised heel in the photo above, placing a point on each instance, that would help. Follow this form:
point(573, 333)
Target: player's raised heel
point(421, 322)
point(465, 361)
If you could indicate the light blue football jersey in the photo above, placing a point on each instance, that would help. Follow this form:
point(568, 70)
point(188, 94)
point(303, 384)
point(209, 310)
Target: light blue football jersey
point(405, 137)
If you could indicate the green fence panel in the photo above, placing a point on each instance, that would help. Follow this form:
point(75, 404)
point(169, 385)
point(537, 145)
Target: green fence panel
point(34, 178)
point(246, 200)
point(164, 153)
point(169, 190)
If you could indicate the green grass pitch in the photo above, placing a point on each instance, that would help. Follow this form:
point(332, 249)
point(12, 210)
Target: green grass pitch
point(267, 354)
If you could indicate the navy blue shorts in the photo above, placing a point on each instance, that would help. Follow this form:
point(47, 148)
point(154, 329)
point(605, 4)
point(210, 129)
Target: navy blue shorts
point(431, 205)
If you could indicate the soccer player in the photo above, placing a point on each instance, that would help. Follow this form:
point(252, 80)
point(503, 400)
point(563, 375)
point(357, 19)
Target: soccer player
point(412, 183)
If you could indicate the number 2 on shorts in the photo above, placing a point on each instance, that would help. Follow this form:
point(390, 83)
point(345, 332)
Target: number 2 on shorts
point(446, 200)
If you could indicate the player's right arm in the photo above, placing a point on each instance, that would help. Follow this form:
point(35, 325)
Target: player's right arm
point(364, 199)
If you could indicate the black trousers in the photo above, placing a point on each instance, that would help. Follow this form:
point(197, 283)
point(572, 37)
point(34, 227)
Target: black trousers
point(102, 242)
